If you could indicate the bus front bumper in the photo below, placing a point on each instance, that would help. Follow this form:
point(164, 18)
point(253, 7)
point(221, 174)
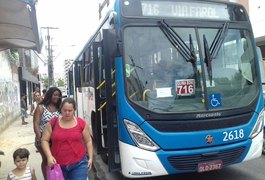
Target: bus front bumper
point(139, 163)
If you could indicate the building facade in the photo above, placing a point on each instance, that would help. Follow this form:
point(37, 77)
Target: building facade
point(67, 64)
point(16, 78)
point(9, 89)
point(18, 37)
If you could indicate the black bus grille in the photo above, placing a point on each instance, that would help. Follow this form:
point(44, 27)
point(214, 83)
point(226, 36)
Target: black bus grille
point(190, 162)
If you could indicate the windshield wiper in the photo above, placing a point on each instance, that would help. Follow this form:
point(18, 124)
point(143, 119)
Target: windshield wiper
point(133, 63)
point(218, 40)
point(211, 53)
point(141, 87)
point(187, 53)
point(193, 58)
point(208, 59)
point(177, 42)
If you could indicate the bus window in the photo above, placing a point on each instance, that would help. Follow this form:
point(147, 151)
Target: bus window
point(154, 67)
point(171, 80)
point(233, 68)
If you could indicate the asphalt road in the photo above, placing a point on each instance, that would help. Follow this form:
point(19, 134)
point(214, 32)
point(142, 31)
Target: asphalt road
point(18, 135)
point(250, 170)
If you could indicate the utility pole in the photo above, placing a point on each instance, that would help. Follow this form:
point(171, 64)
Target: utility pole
point(50, 57)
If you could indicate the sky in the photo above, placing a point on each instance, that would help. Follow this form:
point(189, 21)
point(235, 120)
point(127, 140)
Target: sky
point(75, 21)
point(256, 10)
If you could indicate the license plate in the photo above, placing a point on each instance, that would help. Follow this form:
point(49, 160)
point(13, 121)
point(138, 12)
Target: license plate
point(210, 166)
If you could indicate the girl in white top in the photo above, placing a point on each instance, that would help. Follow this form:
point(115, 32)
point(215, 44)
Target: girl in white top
point(22, 171)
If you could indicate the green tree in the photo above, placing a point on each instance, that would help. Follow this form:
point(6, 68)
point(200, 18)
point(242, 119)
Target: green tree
point(46, 82)
point(60, 82)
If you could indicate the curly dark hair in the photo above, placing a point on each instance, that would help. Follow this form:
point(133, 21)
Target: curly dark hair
point(48, 97)
point(21, 153)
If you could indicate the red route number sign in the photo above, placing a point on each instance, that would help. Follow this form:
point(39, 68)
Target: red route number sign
point(185, 87)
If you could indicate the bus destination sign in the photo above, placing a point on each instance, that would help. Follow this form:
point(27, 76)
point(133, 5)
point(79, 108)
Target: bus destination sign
point(197, 10)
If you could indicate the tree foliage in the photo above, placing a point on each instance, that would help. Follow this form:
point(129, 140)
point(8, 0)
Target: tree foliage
point(46, 82)
point(60, 82)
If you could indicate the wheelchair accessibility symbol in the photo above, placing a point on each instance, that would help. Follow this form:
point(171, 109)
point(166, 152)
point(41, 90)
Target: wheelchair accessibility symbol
point(215, 100)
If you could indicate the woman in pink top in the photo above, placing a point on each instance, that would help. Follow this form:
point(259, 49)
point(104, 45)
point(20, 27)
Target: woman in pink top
point(70, 142)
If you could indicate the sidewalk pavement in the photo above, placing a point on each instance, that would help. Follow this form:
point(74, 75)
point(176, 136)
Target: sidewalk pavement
point(16, 136)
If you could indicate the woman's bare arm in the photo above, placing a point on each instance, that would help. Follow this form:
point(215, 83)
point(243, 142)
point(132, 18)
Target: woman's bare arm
point(36, 121)
point(45, 144)
point(89, 146)
point(33, 174)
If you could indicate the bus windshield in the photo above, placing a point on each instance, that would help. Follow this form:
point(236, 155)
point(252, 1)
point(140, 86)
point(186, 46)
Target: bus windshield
point(159, 78)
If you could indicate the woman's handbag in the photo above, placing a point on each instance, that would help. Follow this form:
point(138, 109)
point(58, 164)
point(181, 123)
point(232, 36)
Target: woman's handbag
point(54, 172)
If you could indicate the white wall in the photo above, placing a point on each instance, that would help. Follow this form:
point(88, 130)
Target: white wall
point(9, 91)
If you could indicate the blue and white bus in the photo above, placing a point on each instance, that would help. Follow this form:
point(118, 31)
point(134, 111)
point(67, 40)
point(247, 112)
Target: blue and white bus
point(171, 86)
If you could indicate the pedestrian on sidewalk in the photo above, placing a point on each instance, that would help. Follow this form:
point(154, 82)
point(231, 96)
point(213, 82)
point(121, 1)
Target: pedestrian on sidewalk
point(23, 106)
point(70, 142)
point(34, 97)
point(45, 110)
point(43, 93)
point(22, 171)
point(37, 101)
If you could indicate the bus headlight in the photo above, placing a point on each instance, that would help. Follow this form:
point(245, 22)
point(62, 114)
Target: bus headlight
point(139, 137)
point(259, 125)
